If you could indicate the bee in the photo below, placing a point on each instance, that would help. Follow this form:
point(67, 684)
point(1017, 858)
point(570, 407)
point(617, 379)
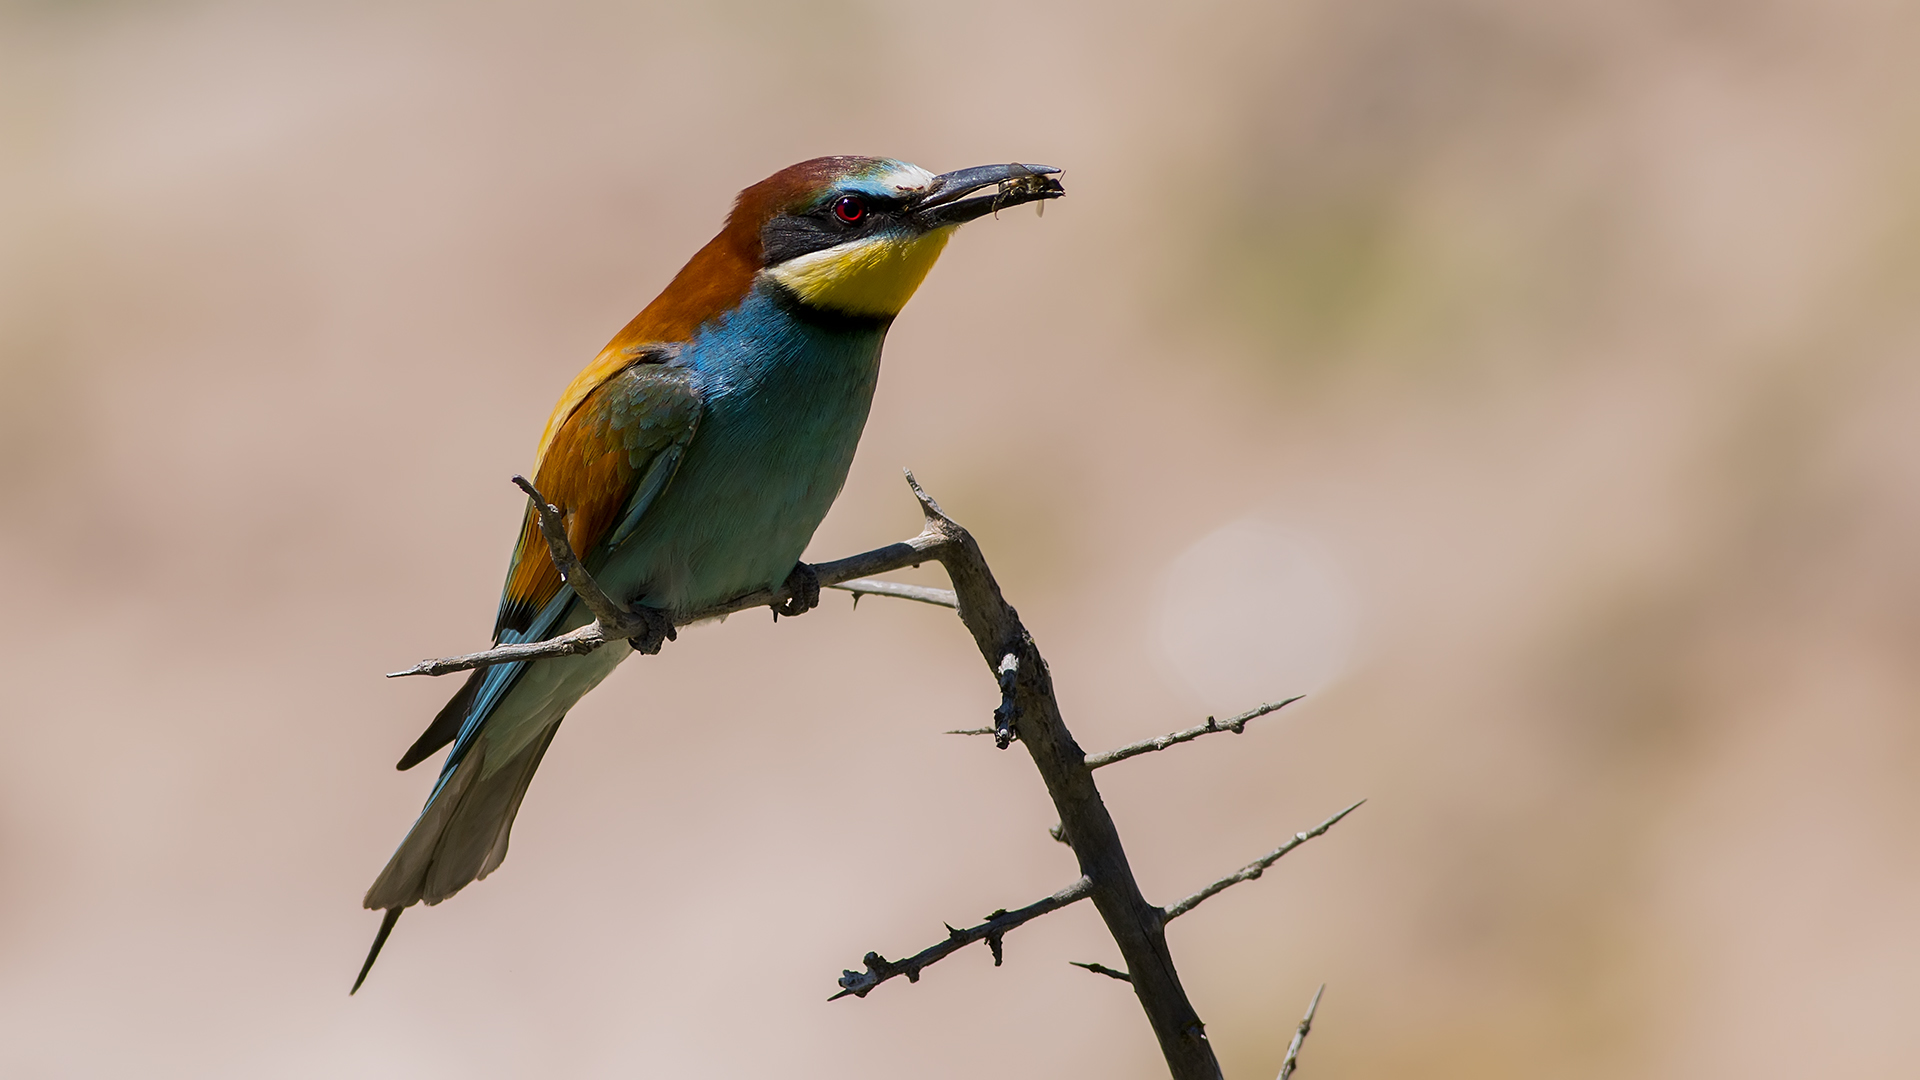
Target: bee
point(1026, 183)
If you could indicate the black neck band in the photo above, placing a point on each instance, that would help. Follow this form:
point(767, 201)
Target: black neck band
point(824, 318)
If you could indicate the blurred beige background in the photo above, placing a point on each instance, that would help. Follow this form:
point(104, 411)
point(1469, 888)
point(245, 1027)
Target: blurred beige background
point(1546, 373)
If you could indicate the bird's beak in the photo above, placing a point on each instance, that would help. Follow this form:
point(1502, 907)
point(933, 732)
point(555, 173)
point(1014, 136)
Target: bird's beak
point(947, 202)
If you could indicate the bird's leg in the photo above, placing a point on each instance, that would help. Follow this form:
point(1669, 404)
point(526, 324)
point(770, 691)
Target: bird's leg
point(657, 632)
point(803, 592)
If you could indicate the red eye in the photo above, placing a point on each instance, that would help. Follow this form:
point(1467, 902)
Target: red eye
point(851, 209)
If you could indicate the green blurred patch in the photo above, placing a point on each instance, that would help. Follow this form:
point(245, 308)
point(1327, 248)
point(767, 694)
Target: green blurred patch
point(1403, 195)
point(1319, 284)
point(1425, 275)
point(1321, 278)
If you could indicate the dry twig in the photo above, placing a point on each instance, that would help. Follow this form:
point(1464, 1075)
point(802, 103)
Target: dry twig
point(1300, 1035)
point(1029, 712)
point(880, 969)
point(554, 528)
point(596, 634)
point(1235, 724)
point(1258, 866)
point(899, 590)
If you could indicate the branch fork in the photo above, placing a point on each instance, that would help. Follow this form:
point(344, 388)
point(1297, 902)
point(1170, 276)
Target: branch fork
point(1030, 714)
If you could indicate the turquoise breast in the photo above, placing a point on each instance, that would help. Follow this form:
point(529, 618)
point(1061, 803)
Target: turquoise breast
point(786, 397)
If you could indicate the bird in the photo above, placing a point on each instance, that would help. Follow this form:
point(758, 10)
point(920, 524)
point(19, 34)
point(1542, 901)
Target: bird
point(691, 462)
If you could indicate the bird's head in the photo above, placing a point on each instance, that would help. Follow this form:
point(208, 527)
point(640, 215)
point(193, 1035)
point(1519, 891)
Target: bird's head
point(847, 236)
point(850, 238)
point(856, 236)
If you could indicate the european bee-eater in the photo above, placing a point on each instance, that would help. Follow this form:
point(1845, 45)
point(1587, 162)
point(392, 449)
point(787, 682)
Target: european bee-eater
point(691, 461)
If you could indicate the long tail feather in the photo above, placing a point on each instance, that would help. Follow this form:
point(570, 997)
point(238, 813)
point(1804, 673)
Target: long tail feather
point(462, 834)
point(379, 940)
point(474, 840)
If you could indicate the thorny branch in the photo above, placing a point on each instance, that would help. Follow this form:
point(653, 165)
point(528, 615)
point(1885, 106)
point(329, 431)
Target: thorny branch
point(1028, 712)
point(1236, 724)
point(1258, 866)
point(880, 969)
point(1300, 1034)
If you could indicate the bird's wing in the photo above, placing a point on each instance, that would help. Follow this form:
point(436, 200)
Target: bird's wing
point(603, 464)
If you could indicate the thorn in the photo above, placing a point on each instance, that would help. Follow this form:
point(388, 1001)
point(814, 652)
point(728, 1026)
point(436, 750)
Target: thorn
point(1335, 820)
point(928, 507)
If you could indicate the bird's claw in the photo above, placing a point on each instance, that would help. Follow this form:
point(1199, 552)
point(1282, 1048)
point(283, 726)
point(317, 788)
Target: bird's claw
point(657, 631)
point(803, 592)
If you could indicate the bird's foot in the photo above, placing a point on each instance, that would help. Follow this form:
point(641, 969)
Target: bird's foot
point(657, 631)
point(803, 592)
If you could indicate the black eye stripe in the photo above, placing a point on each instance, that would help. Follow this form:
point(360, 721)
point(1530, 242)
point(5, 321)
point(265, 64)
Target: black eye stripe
point(791, 235)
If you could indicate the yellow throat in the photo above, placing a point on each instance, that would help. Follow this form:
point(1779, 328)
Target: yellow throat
point(875, 276)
